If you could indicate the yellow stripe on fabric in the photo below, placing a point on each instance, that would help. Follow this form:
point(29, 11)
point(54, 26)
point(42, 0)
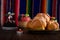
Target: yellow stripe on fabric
point(26, 6)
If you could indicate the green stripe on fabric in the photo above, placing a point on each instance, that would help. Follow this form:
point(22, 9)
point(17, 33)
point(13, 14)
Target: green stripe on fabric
point(29, 7)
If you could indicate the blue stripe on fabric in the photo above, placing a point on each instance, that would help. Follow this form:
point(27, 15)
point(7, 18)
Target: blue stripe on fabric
point(40, 6)
point(12, 6)
point(49, 8)
point(59, 15)
point(36, 7)
point(8, 5)
point(58, 10)
point(22, 6)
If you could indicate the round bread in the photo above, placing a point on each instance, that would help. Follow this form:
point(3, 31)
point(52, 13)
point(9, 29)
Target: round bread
point(39, 23)
point(52, 25)
point(39, 15)
point(45, 15)
point(29, 24)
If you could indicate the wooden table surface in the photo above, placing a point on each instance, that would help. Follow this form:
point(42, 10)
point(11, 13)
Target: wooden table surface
point(12, 35)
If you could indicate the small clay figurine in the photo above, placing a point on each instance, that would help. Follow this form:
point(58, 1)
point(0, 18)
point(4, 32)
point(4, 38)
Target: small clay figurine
point(10, 20)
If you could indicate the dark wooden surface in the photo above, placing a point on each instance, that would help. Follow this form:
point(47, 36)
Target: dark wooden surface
point(12, 35)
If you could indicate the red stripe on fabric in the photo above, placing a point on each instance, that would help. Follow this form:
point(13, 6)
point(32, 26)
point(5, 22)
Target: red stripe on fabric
point(4, 11)
point(16, 10)
point(54, 8)
point(43, 6)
